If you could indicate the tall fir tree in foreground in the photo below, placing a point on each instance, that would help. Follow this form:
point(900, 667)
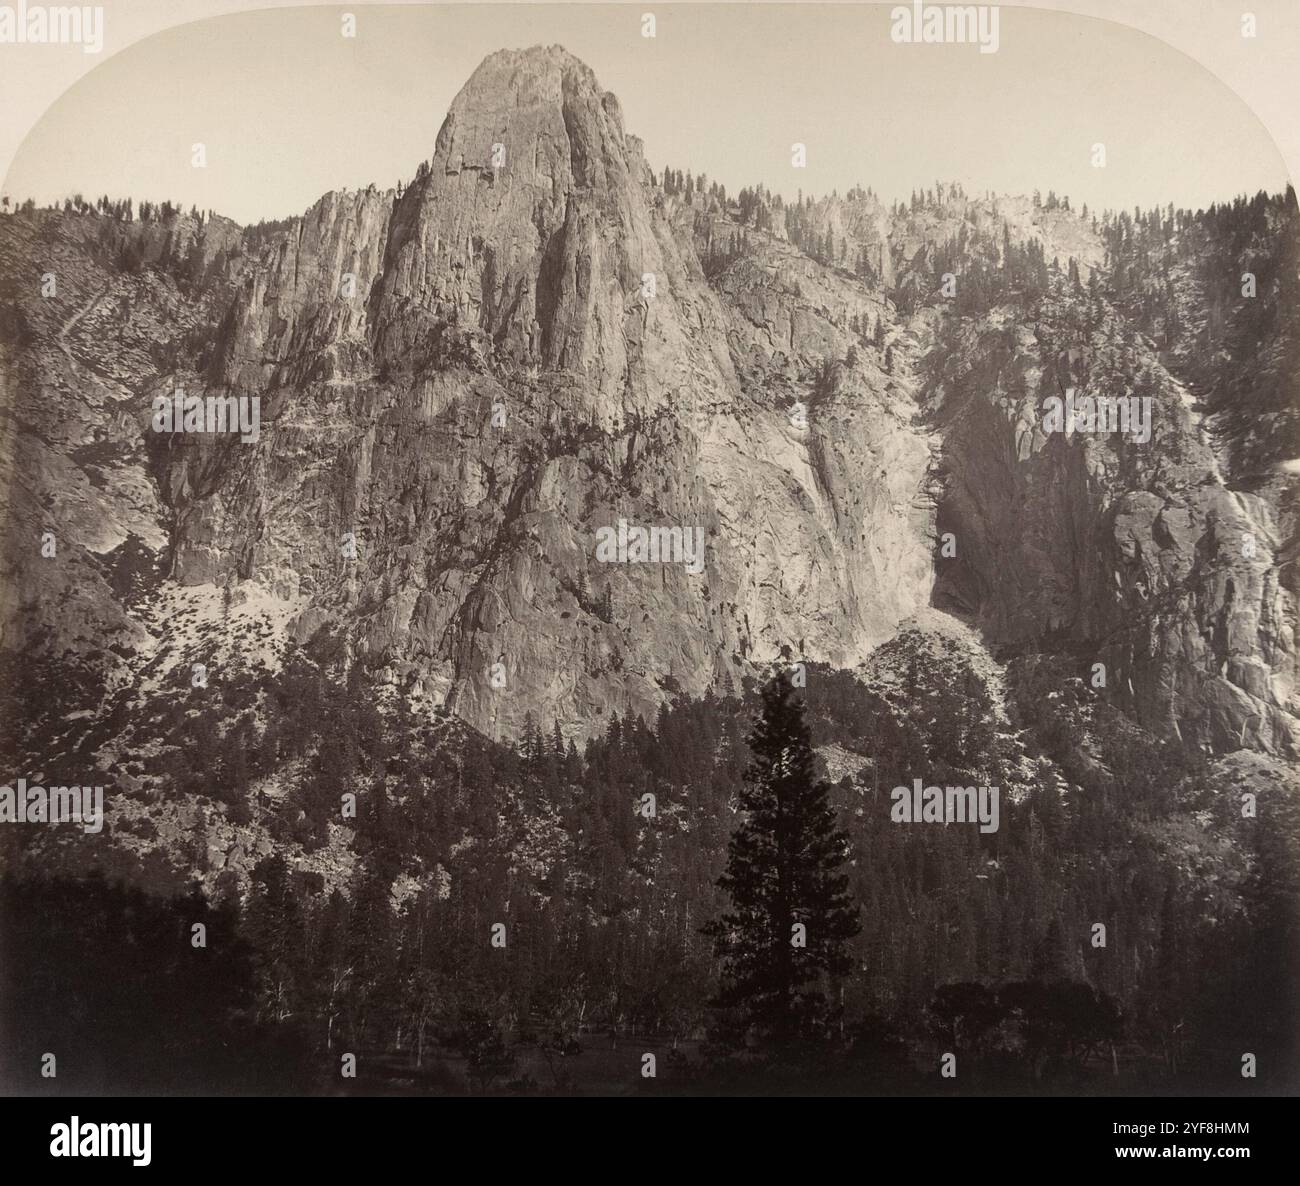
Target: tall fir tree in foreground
point(783, 874)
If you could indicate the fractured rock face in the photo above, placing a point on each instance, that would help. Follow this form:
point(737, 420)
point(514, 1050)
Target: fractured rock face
point(302, 315)
point(533, 354)
point(534, 223)
point(463, 381)
point(1135, 556)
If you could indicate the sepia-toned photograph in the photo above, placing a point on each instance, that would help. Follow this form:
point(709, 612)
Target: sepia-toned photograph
point(677, 550)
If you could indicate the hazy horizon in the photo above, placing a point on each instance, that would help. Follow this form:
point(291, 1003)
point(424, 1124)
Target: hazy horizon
point(347, 113)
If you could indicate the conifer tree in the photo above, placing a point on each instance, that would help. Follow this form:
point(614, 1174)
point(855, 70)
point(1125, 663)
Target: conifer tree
point(791, 914)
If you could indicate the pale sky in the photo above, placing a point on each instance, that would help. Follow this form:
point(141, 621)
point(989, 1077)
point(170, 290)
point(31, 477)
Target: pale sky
point(288, 109)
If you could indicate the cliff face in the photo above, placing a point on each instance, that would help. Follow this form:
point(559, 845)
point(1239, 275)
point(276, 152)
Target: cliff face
point(530, 354)
point(464, 382)
point(533, 224)
point(1137, 557)
point(302, 313)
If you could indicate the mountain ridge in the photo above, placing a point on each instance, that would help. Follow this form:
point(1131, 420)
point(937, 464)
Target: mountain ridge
point(818, 465)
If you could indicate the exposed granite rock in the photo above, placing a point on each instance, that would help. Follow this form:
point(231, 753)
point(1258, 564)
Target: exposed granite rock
point(464, 380)
point(1135, 556)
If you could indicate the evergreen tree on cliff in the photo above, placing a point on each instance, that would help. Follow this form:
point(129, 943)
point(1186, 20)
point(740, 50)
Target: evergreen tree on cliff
point(783, 872)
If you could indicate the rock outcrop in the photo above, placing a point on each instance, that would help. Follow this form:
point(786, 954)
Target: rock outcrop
point(530, 353)
point(464, 382)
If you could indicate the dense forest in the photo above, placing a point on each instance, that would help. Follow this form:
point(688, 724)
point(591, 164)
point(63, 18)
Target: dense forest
point(516, 903)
